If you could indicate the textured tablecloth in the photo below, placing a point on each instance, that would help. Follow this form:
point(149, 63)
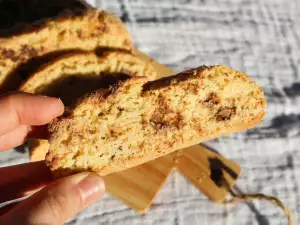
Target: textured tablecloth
point(259, 37)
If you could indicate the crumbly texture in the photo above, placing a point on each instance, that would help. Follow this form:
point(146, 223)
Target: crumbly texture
point(71, 76)
point(137, 121)
point(88, 31)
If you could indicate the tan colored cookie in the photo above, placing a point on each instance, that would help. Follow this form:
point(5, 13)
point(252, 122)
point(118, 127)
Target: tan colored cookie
point(137, 121)
point(74, 75)
point(88, 31)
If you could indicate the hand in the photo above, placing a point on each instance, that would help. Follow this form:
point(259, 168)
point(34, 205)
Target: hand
point(53, 201)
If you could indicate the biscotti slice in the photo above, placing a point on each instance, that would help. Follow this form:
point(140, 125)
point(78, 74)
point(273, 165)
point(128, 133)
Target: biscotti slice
point(74, 75)
point(137, 121)
point(88, 31)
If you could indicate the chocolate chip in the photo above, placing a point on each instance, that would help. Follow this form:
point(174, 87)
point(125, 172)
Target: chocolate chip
point(29, 51)
point(11, 54)
point(126, 42)
point(225, 113)
point(8, 53)
point(94, 35)
point(103, 28)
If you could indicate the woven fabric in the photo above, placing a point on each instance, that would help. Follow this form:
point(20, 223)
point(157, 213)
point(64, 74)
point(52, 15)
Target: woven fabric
point(259, 37)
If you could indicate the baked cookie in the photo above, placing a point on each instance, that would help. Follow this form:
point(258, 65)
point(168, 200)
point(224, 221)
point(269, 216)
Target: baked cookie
point(137, 120)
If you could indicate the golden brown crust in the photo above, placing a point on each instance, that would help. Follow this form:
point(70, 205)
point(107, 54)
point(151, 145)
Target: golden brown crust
point(86, 32)
point(157, 118)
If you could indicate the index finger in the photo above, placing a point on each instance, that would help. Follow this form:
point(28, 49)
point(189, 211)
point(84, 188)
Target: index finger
point(26, 109)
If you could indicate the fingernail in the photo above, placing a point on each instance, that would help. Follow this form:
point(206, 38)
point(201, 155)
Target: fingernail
point(91, 186)
point(61, 105)
point(62, 110)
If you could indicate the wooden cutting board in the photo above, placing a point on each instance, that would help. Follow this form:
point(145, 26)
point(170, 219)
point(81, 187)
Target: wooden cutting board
point(138, 186)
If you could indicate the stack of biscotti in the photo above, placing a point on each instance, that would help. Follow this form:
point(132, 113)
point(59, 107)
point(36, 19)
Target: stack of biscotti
point(119, 116)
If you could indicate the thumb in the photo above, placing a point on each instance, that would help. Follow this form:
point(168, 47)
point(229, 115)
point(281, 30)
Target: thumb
point(59, 201)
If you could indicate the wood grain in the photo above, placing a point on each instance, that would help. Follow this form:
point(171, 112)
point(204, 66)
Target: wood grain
point(138, 186)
